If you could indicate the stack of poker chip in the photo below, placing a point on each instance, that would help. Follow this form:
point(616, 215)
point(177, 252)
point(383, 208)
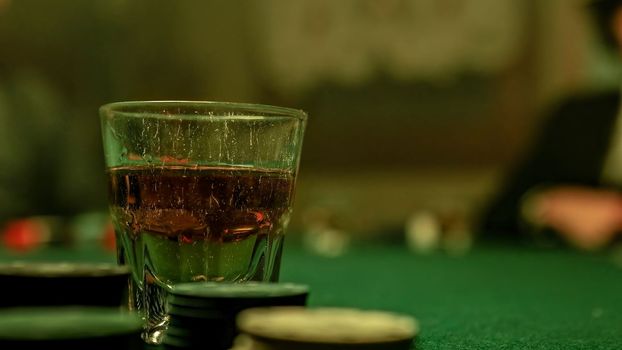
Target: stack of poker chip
point(203, 315)
point(63, 283)
point(69, 328)
point(287, 328)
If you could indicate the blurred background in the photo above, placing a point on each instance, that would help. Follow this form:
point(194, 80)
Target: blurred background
point(417, 107)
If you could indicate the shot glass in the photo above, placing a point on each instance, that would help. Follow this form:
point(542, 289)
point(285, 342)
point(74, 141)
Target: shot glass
point(198, 191)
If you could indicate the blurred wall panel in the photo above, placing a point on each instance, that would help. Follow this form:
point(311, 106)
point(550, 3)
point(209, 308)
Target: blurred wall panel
point(392, 86)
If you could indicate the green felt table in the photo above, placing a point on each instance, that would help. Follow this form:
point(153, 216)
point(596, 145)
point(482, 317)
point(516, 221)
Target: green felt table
point(491, 298)
point(498, 297)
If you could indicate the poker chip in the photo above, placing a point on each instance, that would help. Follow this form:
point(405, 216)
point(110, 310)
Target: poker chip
point(225, 296)
point(181, 342)
point(282, 328)
point(250, 290)
point(195, 313)
point(203, 314)
point(69, 328)
point(60, 284)
point(62, 269)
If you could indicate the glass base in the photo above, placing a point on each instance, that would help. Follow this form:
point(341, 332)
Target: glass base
point(155, 333)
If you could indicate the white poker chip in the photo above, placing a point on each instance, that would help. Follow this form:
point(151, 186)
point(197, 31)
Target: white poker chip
point(328, 326)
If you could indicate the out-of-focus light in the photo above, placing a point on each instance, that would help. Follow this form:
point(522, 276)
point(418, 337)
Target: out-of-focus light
point(4, 5)
point(25, 234)
point(423, 232)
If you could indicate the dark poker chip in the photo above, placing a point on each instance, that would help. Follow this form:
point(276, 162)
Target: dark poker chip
point(196, 312)
point(180, 332)
point(177, 342)
point(192, 324)
point(203, 341)
point(64, 284)
point(69, 328)
point(204, 313)
point(215, 332)
point(218, 296)
point(215, 329)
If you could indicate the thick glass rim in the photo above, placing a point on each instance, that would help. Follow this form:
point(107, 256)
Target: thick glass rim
point(133, 109)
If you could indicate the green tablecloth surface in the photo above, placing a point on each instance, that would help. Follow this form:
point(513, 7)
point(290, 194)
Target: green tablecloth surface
point(491, 298)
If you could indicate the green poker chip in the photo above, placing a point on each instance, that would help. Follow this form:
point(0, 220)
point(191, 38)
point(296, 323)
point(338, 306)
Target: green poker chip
point(249, 290)
point(66, 323)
